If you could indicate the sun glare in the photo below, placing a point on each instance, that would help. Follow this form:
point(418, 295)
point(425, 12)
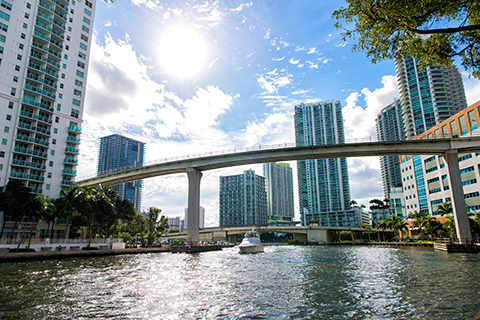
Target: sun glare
point(182, 51)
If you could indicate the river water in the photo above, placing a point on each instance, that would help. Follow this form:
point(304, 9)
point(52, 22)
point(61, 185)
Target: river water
point(285, 282)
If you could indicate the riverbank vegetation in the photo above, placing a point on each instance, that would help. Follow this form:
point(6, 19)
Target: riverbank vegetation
point(86, 211)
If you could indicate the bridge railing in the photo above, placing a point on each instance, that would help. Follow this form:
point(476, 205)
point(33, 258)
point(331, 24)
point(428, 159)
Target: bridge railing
point(220, 152)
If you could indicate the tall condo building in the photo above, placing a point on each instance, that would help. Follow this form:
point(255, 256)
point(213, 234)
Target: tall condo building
point(323, 184)
point(389, 126)
point(119, 153)
point(428, 97)
point(279, 178)
point(243, 200)
point(44, 54)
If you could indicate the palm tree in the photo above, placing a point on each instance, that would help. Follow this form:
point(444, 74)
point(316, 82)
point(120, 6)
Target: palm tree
point(32, 206)
point(382, 224)
point(12, 198)
point(72, 202)
point(449, 225)
point(397, 224)
point(366, 227)
point(421, 220)
point(445, 208)
point(45, 208)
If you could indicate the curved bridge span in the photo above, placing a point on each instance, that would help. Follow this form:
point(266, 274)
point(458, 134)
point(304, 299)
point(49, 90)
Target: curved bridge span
point(193, 166)
point(207, 162)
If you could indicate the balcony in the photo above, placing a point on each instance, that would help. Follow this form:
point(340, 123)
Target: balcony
point(74, 129)
point(70, 161)
point(71, 151)
point(29, 164)
point(26, 176)
point(66, 183)
point(69, 172)
point(31, 152)
point(73, 140)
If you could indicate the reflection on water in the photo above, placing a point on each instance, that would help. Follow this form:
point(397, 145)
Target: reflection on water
point(285, 282)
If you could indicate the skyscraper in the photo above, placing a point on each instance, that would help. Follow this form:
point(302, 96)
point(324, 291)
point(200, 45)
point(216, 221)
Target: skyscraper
point(279, 178)
point(119, 153)
point(323, 183)
point(428, 97)
point(243, 200)
point(201, 218)
point(389, 127)
point(44, 54)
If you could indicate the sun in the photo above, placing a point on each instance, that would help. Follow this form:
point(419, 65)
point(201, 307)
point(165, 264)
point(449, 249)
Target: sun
point(182, 51)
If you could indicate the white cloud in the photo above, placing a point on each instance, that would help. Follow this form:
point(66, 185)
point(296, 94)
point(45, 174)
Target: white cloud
point(360, 124)
point(293, 61)
point(278, 59)
point(273, 80)
point(312, 50)
point(312, 65)
point(472, 88)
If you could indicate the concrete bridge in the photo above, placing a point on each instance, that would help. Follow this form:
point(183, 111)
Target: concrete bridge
point(194, 165)
point(312, 234)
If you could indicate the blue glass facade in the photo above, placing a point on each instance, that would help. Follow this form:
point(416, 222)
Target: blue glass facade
point(323, 183)
point(119, 153)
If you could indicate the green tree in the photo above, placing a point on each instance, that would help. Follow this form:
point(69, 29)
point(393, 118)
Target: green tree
point(382, 224)
point(397, 224)
point(12, 199)
point(156, 224)
point(421, 220)
point(72, 202)
point(445, 208)
point(435, 31)
point(449, 226)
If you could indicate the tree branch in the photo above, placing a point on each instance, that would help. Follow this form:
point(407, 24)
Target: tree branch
point(447, 30)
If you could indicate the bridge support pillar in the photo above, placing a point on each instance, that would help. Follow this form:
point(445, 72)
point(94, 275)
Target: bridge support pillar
point(194, 177)
point(459, 206)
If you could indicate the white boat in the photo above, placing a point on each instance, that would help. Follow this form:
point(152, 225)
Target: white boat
point(250, 243)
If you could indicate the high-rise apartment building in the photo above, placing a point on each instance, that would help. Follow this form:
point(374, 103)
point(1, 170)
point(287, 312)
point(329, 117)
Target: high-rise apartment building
point(279, 179)
point(426, 182)
point(389, 127)
point(243, 200)
point(323, 184)
point(119, 153)
point(428, 97)
point(44, 54)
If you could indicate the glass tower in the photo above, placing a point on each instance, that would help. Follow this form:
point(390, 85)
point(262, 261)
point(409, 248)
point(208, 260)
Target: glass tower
point(323, 183)
point(120, 153)
point(428, 96)
point(279, 178)
point(44, 57)
point(389, 127)
point(243, 200)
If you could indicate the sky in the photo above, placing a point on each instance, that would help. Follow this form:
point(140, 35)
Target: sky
point(189, 77)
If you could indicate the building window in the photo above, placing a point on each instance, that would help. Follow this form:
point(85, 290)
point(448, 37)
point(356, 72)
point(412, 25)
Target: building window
point(79, 74)
point(87, 21)
point(68, 38)
point(47, 187)
point(10, 105)
point(54, 141)
point(87, 12)
point(83, 46)
point(49, 175)
point(79, 83)
point(15, 79)
point(65, 56)
point(28, 5)
point(81, 64)
point(9, 117)
point(17, 68)
point(84, 28)
point(77, 93)
point(2, 154)
point(4, 142)
point(12, 92)
point(70, 20)
point(20, 46)
point(55, 130)
point(75, 113)
point(27, 15)
point(61, 85)
point(22, 36)
point(59, 106)
point(60, 96)
point(50, 164)
point(63, 75)
point(83, 37)
point(70, 29)
point(67, 47)
point(19, 57)
point(4, 15)
point(25, 25)
point(57, 119)
point(76, 102)
point(2, 38)
point(52, 152)
point(82, 55)
point(64, 66)
point(6, 129)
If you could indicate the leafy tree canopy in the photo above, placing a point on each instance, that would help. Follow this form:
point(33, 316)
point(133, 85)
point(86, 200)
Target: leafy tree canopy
point(434, 31)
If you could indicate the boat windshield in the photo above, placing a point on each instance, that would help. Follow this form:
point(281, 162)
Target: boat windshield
point(251, 234)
